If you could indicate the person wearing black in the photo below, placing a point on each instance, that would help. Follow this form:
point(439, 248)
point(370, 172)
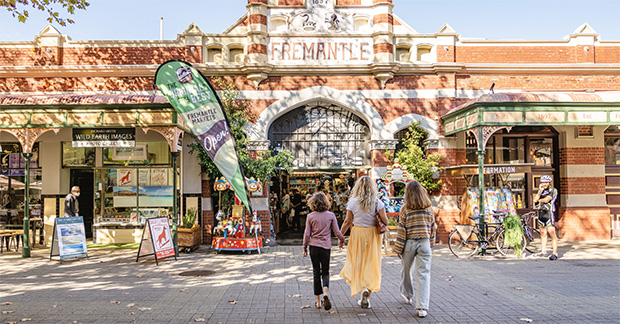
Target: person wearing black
point(298, 206)
point(546, 197)
point(72, 206)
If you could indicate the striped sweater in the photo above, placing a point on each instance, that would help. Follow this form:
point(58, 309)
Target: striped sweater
point(415, 224)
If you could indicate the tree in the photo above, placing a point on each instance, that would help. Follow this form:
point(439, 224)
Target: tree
point(261, 167)
point(418, 163)
point(17, 8)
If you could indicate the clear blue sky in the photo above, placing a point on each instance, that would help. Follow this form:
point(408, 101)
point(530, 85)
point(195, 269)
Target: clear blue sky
point(492, 19)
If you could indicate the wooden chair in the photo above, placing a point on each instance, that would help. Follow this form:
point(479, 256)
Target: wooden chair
point(5, 239)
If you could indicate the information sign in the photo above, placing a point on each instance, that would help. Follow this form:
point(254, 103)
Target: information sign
point(69, 238)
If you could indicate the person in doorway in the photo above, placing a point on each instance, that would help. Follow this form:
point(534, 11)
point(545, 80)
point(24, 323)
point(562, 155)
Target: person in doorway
point(545, 198)
point(297, 202)
point(286, 208)
point(362, 269)
point(416, 235)
point(319, 225)
point(72, 206)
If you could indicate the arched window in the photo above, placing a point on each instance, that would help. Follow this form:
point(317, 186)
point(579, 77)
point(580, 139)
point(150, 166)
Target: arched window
point(322, 135)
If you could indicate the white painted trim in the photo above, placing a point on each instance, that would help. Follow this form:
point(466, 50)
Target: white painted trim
point(576, 200)
point(377, 94)
point(582, 170)
point(294, 99)
point(402, 122)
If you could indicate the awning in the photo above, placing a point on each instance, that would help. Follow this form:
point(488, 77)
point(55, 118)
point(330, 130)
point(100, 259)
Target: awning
point(544, 108)
point(87, 110)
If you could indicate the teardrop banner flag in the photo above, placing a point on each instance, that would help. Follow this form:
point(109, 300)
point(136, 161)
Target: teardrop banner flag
point(193, 97)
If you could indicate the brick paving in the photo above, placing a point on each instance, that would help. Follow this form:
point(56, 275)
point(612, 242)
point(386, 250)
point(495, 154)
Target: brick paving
point(275, 287)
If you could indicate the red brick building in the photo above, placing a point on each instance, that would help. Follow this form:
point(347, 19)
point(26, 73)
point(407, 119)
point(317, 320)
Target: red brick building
point(335, 81)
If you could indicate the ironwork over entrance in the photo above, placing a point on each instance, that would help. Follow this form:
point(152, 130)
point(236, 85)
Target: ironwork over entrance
point(322, 136)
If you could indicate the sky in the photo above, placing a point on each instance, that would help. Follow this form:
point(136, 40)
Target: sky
point(491, 19)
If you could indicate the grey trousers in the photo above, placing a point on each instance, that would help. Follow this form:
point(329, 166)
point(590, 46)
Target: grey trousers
point(419, 251)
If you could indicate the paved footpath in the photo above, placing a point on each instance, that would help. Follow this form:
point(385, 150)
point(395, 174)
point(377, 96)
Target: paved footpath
point(583, 286)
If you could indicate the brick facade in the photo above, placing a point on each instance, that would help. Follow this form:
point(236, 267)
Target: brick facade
point(455, 71)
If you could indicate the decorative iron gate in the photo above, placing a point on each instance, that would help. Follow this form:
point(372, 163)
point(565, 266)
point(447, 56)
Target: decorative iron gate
point(322, 135)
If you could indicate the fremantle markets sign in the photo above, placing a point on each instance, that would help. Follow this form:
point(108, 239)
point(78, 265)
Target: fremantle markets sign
point(314, 50)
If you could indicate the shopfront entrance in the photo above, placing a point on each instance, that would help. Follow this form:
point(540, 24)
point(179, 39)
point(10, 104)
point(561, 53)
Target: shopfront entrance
point(85, 180)
point(330, 145)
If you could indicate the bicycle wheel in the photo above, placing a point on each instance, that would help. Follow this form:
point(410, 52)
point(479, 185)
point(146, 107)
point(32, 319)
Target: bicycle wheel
point(504, 249)
point(532, 235)
point(462, 247)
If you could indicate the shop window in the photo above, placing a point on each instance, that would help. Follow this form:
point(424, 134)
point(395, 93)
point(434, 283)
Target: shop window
point(151, 153)
point(511, 151)
point(77, 156)
point(13, 183)
point(612, 145)
point(130, 195)
point(541, 151)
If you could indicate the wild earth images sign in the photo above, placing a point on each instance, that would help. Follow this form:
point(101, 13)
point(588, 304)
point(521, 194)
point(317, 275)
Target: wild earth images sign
point(104, 137)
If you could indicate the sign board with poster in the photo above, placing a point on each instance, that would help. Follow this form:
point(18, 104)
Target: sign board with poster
point(69, 238)
point(156, 240)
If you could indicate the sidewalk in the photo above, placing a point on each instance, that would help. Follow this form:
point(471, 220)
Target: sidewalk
point(276, 287)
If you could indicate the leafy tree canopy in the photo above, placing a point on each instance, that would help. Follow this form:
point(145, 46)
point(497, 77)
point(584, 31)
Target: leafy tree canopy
point(18, 8)
point(418, 163)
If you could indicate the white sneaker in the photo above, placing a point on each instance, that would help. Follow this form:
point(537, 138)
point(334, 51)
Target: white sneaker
point(422, 313)
point(364, 301)
point(407, 300)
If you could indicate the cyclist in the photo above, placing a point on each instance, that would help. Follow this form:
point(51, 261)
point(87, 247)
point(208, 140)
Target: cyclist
point(546, 197)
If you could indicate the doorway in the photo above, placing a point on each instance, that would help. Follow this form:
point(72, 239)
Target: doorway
point(85, 180)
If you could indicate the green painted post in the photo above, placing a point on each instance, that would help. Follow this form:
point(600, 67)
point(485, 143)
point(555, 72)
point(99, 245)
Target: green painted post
point(175, 207)
point(481, 187)
point(26, 240)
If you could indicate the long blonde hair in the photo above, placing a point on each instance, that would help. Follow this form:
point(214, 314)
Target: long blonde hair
point(416, 197)
point(366, 193)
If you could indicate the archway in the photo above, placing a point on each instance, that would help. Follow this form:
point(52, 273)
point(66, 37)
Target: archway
point(322, 135)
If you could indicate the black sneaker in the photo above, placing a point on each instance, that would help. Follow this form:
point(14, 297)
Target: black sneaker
point(553, 257)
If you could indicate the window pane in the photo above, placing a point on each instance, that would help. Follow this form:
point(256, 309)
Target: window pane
point(77, 156)
point(612, 150)
point(541, 151)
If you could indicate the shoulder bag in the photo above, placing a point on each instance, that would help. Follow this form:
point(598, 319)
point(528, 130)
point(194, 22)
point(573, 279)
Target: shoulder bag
point(381, 228)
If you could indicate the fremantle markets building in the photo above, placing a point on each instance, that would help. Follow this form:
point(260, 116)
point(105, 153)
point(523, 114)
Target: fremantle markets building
point(335, 82)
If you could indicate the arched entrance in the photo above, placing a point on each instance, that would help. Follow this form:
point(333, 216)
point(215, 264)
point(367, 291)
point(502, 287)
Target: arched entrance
point(322, 135)
point(328, 143)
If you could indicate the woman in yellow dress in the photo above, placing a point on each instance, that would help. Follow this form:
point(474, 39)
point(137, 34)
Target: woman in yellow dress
point(362, 270)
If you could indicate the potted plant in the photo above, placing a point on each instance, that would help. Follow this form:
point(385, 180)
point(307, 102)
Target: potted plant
point(188, 235)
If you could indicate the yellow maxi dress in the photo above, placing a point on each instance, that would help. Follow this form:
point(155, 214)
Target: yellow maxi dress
point(362, 268)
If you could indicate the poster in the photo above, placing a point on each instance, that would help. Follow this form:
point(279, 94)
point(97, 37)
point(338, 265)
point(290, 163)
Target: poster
point(126, 177)
point(161, 237)
point(144, 177)
point(71, 237)
point(159, 177)
point(156, 196)
point(125, 197)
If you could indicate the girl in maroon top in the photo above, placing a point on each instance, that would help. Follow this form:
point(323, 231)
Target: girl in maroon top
point(319, 225)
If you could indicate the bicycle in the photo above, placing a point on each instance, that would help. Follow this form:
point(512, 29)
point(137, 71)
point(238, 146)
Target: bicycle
point(465, 240)
point(530, 232)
